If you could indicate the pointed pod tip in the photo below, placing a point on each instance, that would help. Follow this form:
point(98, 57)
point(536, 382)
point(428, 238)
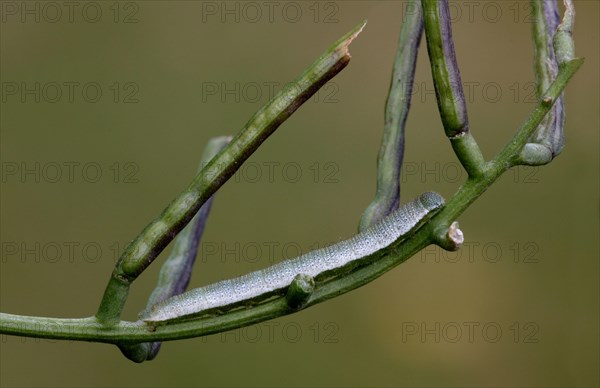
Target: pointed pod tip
point(357, 30)
point(219, 141)
point(345, 40)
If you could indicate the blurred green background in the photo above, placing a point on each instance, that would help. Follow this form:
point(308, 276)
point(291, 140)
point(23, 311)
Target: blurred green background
point(106, 108)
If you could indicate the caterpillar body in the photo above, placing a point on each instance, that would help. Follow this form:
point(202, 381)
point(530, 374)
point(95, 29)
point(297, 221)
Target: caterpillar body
point(318, 265)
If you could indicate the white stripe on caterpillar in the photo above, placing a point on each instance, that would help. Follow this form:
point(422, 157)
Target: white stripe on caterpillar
point(319, 264)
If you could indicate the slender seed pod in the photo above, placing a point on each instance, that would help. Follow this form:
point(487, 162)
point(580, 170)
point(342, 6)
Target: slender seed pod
point(548, 139)
point(448, 86)
point(142, 251)
point(444, 68)
point(391, 153)
point(564, 45)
